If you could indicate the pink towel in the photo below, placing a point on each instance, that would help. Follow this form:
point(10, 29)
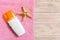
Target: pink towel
point(6, 32)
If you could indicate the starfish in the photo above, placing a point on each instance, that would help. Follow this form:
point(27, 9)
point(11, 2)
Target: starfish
point(25, 13)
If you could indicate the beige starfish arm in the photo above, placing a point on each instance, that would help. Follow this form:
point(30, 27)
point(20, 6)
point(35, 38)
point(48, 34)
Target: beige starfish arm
point(23, 18)
point(23, 9)
point(18, 13)
point(29, 10)
point(28, 15)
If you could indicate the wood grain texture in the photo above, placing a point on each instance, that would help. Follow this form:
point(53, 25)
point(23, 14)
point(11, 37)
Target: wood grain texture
point(47, 20)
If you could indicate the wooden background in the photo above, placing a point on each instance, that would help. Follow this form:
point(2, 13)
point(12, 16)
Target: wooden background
point(47, 20)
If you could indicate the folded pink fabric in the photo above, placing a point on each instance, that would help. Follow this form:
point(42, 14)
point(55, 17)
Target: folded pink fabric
point(6, 32)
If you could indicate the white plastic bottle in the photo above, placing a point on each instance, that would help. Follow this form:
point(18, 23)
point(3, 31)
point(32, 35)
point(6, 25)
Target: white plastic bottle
point(14, 23)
